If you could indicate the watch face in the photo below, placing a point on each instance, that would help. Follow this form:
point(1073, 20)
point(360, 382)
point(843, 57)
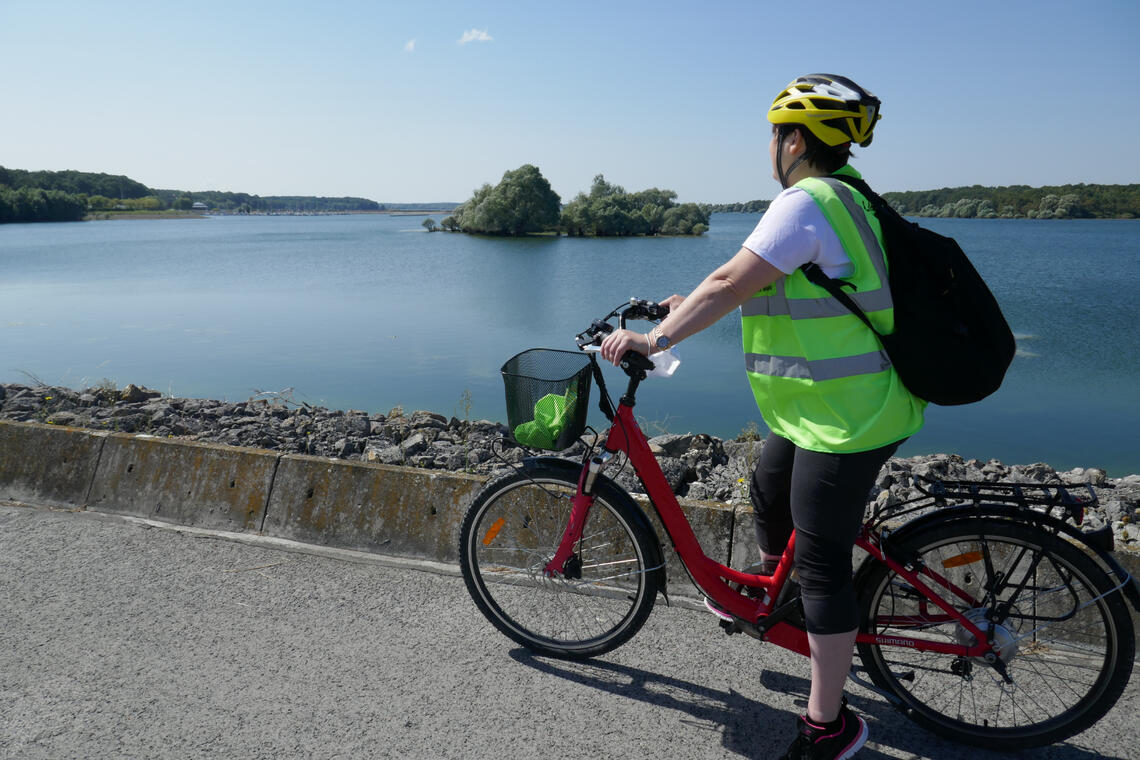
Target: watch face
point(662, 341)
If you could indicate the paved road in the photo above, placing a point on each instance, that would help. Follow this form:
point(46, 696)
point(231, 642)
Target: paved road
point(119, 639)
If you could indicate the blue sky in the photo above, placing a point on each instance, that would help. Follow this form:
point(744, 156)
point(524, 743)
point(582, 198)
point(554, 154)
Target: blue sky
point(413, 102)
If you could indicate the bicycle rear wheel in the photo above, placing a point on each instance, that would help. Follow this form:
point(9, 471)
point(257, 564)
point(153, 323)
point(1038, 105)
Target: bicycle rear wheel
point(1066, 641)
point(513, 529)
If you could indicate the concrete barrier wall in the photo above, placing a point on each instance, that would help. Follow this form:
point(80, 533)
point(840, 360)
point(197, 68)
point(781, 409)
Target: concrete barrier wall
point(199, 484)
point(400, 511)
point(387, 509)
point(48, 465)
point(383, 508)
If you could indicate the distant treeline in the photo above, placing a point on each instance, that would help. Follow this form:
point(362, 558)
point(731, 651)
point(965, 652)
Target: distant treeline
point(1013, 202)
point(244, 203)
point(748, 207)
point(45, 196)
point(523, 203)
point(58, 196)
point(418, 206)
point(1022, 202)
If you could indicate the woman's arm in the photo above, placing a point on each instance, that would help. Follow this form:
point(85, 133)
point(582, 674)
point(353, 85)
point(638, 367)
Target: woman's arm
point(725, 289)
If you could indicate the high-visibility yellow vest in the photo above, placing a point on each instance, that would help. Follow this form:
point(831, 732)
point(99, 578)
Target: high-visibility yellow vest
point(821, 378)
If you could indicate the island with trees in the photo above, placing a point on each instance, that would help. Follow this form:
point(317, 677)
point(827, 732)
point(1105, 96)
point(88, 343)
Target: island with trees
point(523, 203)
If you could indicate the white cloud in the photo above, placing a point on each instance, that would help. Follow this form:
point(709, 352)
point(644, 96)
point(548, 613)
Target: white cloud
point(475, 35)
point(410, 46)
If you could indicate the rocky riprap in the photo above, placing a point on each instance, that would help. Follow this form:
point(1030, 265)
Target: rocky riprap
point(697, 466)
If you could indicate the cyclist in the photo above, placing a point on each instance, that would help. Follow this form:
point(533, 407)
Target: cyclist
point(835, 406)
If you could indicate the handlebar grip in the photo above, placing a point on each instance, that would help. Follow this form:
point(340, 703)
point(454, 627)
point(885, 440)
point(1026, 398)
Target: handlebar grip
point(636, 361)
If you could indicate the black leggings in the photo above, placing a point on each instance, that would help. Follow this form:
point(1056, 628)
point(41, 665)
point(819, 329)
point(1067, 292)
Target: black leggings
point(823, 497)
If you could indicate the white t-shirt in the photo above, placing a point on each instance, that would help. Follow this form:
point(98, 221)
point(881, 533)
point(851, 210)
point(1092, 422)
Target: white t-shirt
point(794, 231)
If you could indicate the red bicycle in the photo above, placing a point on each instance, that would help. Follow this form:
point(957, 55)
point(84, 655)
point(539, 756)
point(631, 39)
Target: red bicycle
point(991, 619)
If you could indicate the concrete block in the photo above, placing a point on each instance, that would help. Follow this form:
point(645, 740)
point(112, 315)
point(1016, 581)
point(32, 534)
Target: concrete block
point(197, 484)
point(47, 464)
point(745, 550)
point(371, 507)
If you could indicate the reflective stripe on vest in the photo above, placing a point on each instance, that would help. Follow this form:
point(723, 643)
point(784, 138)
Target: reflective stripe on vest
point(778, 304)
point(818, 370)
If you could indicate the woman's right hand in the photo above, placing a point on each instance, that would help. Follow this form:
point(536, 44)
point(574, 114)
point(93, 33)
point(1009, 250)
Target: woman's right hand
point(673, 301)
point(616, 344)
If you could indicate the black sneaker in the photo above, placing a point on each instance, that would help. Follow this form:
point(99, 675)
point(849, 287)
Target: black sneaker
point(837, 740)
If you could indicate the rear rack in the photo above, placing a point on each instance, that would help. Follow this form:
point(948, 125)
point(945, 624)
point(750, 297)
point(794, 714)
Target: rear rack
point(1045, 496)
point(1069, 499)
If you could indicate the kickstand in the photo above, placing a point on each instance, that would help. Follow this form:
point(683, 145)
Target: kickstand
point(892, 698)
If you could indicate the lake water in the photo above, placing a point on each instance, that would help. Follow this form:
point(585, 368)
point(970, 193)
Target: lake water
point(370, 312)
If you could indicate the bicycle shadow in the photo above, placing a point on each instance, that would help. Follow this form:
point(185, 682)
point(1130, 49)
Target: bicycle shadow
point(742, 722)
point(756, 730)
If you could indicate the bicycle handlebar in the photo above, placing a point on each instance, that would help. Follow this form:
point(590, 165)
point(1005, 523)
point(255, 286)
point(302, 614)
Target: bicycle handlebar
point(636, 308)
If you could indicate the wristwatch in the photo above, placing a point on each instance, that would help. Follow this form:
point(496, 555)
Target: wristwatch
point(662, 342)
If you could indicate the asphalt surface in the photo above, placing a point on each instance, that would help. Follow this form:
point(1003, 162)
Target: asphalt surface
point(125, 639)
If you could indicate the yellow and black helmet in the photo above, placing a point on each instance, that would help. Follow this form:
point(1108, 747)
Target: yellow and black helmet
point(834, 108)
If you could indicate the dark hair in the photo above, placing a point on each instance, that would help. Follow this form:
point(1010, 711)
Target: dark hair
point(818, 153)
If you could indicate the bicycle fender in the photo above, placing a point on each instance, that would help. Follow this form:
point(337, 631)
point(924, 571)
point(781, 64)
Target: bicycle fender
point(1130, 587)
point(614, 493)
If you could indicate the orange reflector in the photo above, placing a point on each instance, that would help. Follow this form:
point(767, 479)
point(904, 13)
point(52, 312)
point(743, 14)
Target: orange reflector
point(962, 559)
point(493, 531)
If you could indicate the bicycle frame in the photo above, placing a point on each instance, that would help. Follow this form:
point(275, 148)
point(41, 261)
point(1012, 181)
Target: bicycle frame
point(714, 579)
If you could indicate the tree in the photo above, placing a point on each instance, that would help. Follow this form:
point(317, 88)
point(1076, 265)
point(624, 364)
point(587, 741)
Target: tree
point(31, 204)
point(523, 202)
point(610, 210)
point(686, 219)
point(429, 225)
point(602, 189)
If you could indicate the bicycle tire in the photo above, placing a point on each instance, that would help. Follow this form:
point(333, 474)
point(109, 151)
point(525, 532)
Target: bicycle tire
point(1069, 653)
point(511, 531)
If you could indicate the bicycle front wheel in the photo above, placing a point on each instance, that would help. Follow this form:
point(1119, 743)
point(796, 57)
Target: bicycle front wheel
point(512, 531)
point(1065, 638)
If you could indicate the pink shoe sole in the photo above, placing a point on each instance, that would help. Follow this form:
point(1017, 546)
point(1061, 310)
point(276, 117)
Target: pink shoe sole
point(718, 611)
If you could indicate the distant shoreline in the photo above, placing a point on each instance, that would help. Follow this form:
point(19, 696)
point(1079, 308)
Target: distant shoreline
point(104, 216)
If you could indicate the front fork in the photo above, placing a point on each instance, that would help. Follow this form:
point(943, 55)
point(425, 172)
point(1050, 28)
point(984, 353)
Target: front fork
point(579, 511)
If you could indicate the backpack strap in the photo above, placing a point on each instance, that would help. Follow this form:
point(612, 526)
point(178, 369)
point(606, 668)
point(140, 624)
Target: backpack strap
point(835, 287)
point(816, 276)
point(882, 208)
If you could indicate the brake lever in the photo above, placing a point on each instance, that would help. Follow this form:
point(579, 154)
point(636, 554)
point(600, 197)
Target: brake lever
point(592, 336)
point(642, 309)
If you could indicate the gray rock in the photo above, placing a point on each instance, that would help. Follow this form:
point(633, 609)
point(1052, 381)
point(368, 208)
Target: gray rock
point(386, 455)
point(133, 394)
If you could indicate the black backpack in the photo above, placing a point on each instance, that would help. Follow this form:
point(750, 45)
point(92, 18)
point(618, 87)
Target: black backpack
point(951, 343)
